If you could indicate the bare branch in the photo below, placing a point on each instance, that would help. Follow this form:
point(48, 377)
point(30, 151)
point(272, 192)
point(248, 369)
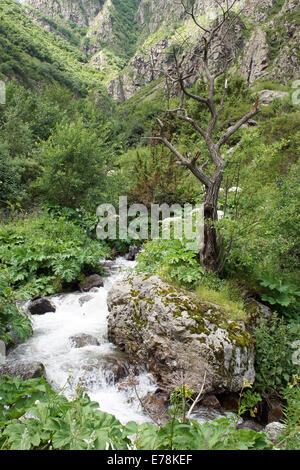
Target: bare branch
point(198, 172)
point(197, 399)
point(236, 126)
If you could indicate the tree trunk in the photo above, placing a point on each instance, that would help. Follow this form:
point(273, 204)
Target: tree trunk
point(209, 255)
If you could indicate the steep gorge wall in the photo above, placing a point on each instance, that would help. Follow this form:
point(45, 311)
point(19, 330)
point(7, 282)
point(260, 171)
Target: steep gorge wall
point(267, 48)
point(81, 12)
point(130, 41)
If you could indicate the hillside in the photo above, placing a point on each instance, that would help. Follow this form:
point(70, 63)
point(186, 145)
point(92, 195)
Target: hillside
point(34, 55)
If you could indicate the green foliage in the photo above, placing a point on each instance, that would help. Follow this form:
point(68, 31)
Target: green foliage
point(53, 422)
point(35, 55)
point(154, 177)
point(215, 435)
point(172, 260)
point(279, 293)
point(222, 297)
point(51, 132)
point(124, 27)
point(10, 176)
point(290, 437)
point(274, 356)
point(40, 252)
point(248, 400)
point(260, 232)
point(10, 317)
point(72, 164)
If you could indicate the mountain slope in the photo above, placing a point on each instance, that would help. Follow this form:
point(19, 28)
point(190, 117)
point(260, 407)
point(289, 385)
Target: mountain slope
point(128, 43)
point(34, 55)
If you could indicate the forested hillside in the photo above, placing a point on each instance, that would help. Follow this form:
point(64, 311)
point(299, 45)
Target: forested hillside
point(103, 99)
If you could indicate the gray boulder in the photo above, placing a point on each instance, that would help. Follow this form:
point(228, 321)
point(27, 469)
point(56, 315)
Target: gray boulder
point(25, 370)
point(273, 431)
point(256, 313)
point(177, 335)
point(267, 96)
point(81, 340)
point(84, 299)
point(91, 281)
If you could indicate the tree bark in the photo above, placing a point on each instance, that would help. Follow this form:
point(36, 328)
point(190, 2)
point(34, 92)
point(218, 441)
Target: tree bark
point(209, 255)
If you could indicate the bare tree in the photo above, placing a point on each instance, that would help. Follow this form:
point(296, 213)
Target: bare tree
point(180, 73)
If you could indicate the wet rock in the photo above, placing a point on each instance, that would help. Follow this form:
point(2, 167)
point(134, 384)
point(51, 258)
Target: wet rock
point(25, 370)
point(132, 253)
point(84, 299)
point(203, 414)
point(15, 338)
point(172, 330)
point(251, 426)
point(91, 281)
point(128, 383)
point(273, 431)
point(156, 405)
point(82, 340)
point(231, 402)
point(211, 401)
point(115, 367)
point(41, 306)
point(275, 412)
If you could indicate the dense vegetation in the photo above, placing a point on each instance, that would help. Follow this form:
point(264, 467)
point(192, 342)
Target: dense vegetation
point(64, 149)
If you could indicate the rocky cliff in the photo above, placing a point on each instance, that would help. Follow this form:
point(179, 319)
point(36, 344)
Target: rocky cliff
point(82, 12)
point(131, 40)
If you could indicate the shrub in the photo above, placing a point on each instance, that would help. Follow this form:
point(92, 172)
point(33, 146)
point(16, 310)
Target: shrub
point(172, 260)
point(274, 356)
point(10, 317)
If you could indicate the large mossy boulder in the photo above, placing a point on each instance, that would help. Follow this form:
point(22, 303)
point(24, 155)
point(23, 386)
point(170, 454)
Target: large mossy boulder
point(179, 336)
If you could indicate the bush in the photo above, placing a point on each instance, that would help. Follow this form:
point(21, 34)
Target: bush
point(10, 317)
point(73, 166)
point(172, 260)
point(274, 356)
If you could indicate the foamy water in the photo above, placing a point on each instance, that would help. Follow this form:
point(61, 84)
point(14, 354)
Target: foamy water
point(67, 367)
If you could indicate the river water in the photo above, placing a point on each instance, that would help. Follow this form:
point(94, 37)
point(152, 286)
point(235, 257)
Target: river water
point(67, 366)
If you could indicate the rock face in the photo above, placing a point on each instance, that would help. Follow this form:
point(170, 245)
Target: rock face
point(175, 333)
point(41, 306)
point(25, 370)
point(82, 12)
point(256, 59)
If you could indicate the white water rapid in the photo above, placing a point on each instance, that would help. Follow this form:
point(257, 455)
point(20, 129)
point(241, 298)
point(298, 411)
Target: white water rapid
point(67, 366)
